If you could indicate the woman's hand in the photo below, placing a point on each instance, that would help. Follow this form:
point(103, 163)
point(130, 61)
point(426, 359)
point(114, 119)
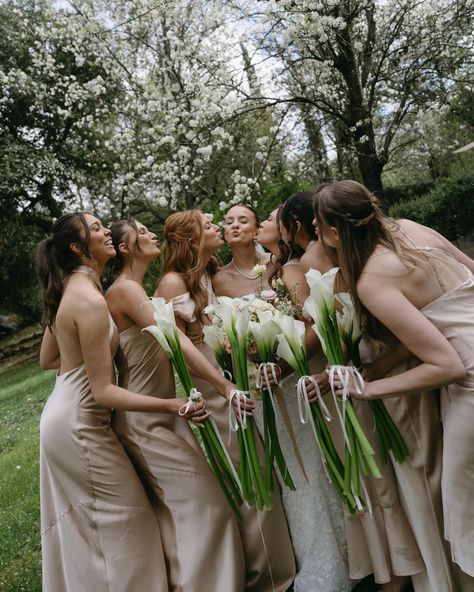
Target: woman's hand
point(355, 389)
point(246, 404)
point(322, 381)
point(272, 374)
point(195, 412)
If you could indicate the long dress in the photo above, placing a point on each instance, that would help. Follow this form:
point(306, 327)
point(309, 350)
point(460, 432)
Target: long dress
point(417, 417)
point(200, 536)
point(98, 529)
point(313, 511)
point(269, 557)
point(453, 314)
point(381, 541)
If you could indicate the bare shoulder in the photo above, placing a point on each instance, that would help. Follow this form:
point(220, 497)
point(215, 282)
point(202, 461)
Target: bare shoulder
point(221, 280)
point(125, 288)
point(315, 260)
point(170, 285)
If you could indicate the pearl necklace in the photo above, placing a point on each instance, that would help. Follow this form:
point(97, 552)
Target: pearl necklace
point(249, 277)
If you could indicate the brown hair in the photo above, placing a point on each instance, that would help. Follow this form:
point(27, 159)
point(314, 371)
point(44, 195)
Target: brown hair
point(299, 207)
point(250, 209)
point(121, 234)
point(182, 253)
point(354, 211)
point(55, 259)
point(288, 250)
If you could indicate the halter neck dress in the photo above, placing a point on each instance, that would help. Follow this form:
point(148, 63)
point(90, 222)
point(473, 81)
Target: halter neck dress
point(275, 549)
point(200, 536)
point(98, 529)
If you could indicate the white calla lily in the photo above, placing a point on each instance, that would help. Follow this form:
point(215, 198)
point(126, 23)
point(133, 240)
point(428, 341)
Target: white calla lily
point(285, 352)
point(211, 336)
point(161, 338)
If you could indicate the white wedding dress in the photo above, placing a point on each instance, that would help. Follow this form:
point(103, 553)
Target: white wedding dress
point(314, 511)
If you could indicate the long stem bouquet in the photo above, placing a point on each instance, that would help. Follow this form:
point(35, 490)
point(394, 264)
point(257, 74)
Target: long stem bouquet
point(166, 333)
point(359, 456)
point(292, 349)
point(235, 320)
point(264, 333)
point(388, 434)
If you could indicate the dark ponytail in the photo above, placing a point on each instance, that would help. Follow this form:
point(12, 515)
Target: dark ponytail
point(288, 250)
point(299, 207)
point(55, 260)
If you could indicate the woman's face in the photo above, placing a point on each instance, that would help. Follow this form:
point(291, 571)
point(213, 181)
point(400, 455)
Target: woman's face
point(240, 226)
point(213, 240)
point(101, 247)
point(145, 244)
point(268, 233)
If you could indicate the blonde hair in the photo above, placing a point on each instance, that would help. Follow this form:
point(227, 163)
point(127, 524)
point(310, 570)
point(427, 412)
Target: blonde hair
point(182, 253)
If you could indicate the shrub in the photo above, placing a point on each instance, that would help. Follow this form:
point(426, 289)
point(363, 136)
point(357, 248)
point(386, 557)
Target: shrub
point(447, 208)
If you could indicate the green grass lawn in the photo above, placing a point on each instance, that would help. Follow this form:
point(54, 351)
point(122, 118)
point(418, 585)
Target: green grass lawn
point(23, 392)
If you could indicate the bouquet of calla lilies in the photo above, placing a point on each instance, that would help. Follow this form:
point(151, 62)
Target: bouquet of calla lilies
point(166, 333)
point(388, 434)
point(264, 333)
point(235, 320)
point(292, 349)
point(359, 456)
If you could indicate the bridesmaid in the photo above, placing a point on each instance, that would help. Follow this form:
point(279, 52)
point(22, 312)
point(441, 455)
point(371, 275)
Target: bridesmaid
point(98, 530)
point(314, 510)
point(190, 243)
point(240, 231)
point(409, 281)
point(382, 544)
point(296, 226)
point(163, 447)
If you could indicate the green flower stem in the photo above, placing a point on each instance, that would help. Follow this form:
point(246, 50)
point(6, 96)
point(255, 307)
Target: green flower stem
point(215, 469)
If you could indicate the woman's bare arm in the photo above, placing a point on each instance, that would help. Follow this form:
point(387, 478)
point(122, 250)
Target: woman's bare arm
point(49, 352)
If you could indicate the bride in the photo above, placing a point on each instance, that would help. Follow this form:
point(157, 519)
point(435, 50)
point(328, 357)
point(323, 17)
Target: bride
point(313, 511)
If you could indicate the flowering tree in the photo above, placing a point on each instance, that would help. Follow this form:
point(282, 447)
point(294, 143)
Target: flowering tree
point(365, 65)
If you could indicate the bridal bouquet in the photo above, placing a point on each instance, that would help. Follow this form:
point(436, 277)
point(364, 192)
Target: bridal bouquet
point(388, 434)
point(359, 456)
point(292, 349)
point(235, 321)
point(264, 333)
point(166, 333)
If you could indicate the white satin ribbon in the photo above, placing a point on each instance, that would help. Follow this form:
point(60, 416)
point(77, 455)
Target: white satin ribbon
point(267, 386)
point(344, 375)
point(304, 411)
point(283, 409)
point(193, 398)
point(237, 418)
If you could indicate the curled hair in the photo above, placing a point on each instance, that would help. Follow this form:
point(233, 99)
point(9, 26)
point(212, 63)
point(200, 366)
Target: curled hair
point(182, 253)
point(121, 232)
point(299, 207)
point(55, 260)
point(354, 211)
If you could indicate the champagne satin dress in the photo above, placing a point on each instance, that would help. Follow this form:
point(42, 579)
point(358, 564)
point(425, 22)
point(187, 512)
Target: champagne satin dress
point(200, 536)
point(379, 542)
point(269, 557)
point(98, 529)
point(453, 314)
